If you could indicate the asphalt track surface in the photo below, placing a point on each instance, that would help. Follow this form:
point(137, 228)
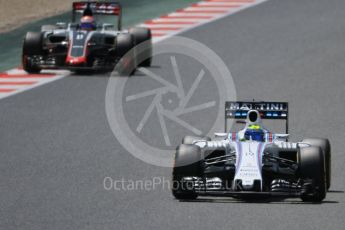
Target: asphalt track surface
point(56, 145)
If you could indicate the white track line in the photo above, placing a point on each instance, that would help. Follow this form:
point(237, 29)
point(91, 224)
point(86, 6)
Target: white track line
point(20, 81)
point(20, 89)
point(244, 6)
point(179, 19)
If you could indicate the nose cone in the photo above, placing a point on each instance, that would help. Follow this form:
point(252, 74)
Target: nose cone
point(75, 61)
point(248, 166)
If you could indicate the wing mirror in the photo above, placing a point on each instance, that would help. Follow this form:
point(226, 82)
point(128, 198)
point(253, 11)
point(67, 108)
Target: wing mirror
point(220, 134)
point(282, 136)
point(108, 27)
point(202, 143)
point(303, 145)
point(61, 25)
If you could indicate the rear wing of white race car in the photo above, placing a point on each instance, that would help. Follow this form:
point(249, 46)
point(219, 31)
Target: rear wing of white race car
point(268, 110)
point(89, 8)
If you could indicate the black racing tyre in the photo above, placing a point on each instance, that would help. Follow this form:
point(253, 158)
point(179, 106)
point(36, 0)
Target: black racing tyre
point(124, 43)
point(312, 167)
point(187, 164)
point(325, 145)
point(188, 140)
point(125, 54)
point(45, 28)
point(32, 46)
point(142, 35)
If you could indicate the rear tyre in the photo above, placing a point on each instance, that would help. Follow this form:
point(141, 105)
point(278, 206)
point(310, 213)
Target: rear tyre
point(312, 167)
point(187, 164)
point(143, 36)
point(125, 54)
point(189, 140)
point(325, 145)
point(32, 46)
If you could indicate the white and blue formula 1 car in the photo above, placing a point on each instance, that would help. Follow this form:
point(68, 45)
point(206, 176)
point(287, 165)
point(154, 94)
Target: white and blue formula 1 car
point(253, 162)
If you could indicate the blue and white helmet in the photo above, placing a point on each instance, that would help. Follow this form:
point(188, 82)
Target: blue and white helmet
point(254, 130)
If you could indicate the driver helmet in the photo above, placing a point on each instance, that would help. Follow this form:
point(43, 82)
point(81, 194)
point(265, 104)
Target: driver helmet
point(87, 23)
point(254, 133)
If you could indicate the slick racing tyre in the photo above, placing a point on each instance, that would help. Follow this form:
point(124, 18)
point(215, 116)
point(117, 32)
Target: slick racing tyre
point(142, 35)
point(187, 168)
point(32, 46)
point(125, 54)
point(312, 168)
point(189, 140)
point(325, 145)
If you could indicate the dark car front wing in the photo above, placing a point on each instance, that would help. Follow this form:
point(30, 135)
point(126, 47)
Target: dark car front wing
point(253, 194)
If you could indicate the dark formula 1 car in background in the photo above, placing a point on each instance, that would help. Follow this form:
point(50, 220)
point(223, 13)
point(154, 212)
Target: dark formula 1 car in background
point(78, 48)
point(253, 161)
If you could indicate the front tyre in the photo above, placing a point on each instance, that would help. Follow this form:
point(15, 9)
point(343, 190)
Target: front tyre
point(186, 168)
point(32, 48)
point(125, 54)
point(312, 168)
point(325, 145)
point(143, 36)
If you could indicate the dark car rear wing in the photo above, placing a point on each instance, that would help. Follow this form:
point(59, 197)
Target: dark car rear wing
point(90, 8)
point(268, 110)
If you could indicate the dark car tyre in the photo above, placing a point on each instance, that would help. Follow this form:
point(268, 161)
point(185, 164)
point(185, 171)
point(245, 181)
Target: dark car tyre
point(188, 140)
point(312, 166)
point(142, 35)
point(325, 145)
point(126, 54)
point(32, 46)
point(187, 164)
